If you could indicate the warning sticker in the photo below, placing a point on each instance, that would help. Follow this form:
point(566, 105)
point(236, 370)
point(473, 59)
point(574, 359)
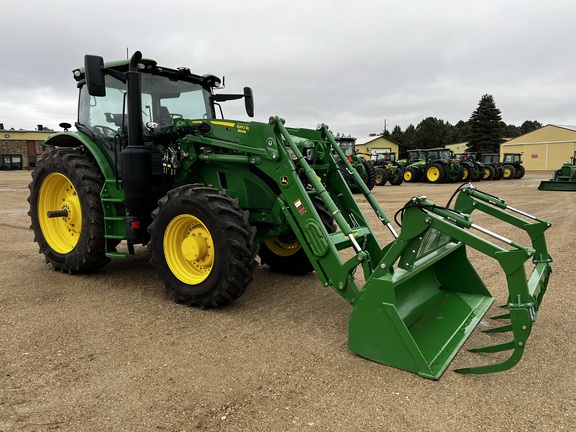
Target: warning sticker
point(301, 209)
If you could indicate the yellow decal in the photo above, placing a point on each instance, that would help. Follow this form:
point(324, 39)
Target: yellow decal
point(284, 180)
point(222, 123)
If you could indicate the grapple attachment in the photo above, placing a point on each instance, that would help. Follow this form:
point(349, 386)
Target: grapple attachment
point(425, 298)
point(422, 297)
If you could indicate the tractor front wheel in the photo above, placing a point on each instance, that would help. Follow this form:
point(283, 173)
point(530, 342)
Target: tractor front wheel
point(412, 174)
point(202, 246)
point(285, 255)
point(66, 212)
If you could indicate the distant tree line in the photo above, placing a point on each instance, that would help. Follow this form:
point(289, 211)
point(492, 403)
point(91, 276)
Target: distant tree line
point(484, 131)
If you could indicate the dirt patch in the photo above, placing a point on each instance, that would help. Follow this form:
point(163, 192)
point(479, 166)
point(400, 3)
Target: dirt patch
point(108, 351)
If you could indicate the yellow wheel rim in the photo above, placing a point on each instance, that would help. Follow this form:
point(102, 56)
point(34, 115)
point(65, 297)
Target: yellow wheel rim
point(378, 176)
point(464, 174)
point(407, 176)
point(433, 173)
point(58, 193)
point(281, 247)
point(486, 173)
point(507, 173)
point(189, 249)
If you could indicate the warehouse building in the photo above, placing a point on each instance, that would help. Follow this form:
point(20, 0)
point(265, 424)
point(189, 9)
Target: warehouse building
point(546, 148)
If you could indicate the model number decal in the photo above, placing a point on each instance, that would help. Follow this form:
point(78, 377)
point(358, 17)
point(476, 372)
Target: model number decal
point(241, 128)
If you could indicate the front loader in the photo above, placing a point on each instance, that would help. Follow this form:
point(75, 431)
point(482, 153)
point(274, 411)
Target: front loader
point(151, 164)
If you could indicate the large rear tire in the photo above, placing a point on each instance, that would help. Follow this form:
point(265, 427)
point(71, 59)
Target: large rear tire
point(381, 176)
point(285, 255)
point(435, 173)
point(488, 173)
point(520, 172)
point(68, 181)
point(202, 246)
point(508, 172)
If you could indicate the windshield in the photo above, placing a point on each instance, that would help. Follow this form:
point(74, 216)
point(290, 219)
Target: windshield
point(347, 148)
point(163, 100)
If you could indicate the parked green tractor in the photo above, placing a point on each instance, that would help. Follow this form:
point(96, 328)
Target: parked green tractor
point(414, 165)
point(436, 165)
point(515, 161)
point(152, 164)
point(472, 170)
point(364, 167)
point(564, 179)
point(493, 169)
point(387, 169)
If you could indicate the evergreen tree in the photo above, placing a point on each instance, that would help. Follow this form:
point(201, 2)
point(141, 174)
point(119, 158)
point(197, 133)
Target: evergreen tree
point(529, 126)
point(485, 127)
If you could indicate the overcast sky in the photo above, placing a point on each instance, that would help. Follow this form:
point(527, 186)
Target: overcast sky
point(352, 65)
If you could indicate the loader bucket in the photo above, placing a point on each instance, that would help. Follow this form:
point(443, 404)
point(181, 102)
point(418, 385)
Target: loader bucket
point(552, 185)
point(418, 320)
point(425, 298)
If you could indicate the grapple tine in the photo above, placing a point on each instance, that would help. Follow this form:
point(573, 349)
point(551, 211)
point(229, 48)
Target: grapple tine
point(502, 329)
point(494, 348)
point(498, 367)
point(501, 317)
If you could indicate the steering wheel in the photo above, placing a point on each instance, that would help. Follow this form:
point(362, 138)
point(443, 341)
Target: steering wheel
point(105, 131)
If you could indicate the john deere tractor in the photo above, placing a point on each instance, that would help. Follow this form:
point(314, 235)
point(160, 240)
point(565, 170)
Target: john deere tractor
point(364, 167)
point(472, 170)
point(435, 165)
point(151, 163)
point(493, 169)
point(387, 169)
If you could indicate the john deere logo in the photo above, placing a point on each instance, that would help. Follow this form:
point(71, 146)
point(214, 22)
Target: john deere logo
point(284, 180)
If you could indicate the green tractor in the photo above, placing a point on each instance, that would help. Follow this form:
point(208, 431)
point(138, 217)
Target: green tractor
point(364, 167)
point(414, 165)
point(436, 165)
point(152, 164)
point(564, 179)
point(493, 169)
point(472, 169)
point(387, 169)
point(515, 161)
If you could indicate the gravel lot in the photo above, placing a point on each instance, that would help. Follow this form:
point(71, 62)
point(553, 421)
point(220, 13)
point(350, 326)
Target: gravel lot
point(108, 351)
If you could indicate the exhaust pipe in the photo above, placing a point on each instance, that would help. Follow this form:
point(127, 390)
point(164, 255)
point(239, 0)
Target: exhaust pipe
point(136, 159)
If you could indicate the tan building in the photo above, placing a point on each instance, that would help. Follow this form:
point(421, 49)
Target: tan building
point(369, 145)
point(546, 148)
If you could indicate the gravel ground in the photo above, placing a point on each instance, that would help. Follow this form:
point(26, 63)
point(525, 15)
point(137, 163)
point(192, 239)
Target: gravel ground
point(108, 351)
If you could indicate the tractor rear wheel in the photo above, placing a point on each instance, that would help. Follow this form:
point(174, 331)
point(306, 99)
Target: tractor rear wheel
point(66, 212)
point(397, 178)
point(284, 254)
point(381, 176)
point(508, 172)
point(202, 246)
point(488, 173)
point(370, 174)
point(520, 172)
point(435, 173)
point(465, 172)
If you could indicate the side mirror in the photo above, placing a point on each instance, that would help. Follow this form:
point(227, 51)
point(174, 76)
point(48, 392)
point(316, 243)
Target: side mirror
point(249, 101)
point(94, 71)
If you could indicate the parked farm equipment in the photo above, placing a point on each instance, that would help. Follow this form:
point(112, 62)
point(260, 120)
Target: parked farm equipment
point(387, 169)
point(435, 165)
point(564, 179)
point(207, 195)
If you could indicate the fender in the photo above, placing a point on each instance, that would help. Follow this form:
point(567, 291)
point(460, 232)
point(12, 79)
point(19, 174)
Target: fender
point(79, 139)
